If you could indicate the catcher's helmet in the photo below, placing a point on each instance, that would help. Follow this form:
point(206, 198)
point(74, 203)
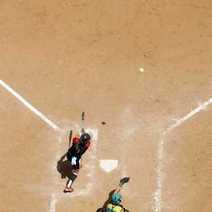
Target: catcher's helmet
point(116, 198)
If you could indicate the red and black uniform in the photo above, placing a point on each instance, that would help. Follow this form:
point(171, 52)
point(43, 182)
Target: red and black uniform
point(77, 149)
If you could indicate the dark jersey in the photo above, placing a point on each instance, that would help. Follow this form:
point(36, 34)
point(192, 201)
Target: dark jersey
point(77, 148)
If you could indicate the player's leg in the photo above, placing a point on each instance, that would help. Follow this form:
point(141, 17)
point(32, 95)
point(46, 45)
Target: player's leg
point(68, 187)
point(69, 184)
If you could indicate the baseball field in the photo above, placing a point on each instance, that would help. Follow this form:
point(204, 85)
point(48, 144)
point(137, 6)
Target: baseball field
point(143, 68)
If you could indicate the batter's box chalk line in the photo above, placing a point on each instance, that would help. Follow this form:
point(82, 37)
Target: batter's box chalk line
point(55, 197)
point(157, 195)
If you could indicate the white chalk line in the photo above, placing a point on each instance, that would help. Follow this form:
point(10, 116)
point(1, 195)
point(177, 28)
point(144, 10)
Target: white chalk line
point(127, 132)
point(55, 197)
point(180, 121)
point(94, 132)
point(52, 205)
point(29, 106)
point(157, 196)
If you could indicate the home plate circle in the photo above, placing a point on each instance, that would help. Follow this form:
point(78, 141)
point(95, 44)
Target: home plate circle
point(108, 165)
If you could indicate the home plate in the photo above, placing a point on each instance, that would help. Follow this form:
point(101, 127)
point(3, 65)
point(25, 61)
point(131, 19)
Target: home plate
point(108, 165)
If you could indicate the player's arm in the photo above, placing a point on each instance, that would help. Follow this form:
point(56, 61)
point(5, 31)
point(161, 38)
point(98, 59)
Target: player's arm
point(85, 148)
point(118, 189)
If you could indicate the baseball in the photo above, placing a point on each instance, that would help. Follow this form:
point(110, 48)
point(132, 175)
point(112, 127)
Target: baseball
point(141, 70)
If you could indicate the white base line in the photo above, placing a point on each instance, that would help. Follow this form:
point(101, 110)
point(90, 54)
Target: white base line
point(157, 196)
point(29, 106)
point(52, 205)
point(180, 121)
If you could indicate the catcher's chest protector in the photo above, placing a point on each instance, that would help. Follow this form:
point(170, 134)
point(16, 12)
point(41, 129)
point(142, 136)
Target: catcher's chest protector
point(113, 208)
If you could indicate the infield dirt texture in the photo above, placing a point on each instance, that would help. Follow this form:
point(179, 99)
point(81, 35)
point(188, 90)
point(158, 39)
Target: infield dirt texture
point(143, 67)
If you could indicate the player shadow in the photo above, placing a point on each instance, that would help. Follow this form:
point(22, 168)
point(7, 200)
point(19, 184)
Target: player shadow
point(103, 208)
point(65, 168)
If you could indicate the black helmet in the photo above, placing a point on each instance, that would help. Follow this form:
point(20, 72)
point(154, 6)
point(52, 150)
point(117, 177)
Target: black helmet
point(85, 137)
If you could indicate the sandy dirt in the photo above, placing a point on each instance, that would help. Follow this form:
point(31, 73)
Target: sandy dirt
point(68, 56)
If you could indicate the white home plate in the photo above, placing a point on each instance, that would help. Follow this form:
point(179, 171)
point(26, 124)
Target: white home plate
point(108, 165)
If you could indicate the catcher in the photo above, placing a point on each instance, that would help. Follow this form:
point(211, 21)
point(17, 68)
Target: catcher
point(113, 204)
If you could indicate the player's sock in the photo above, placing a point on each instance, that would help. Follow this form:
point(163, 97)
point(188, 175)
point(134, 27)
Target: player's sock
point(69, 183)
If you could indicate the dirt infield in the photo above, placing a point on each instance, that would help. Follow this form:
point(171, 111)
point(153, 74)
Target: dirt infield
point(65, 57)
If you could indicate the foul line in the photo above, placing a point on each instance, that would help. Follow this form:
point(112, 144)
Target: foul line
point(29, 106)
point(157, 196)
point(180, 121)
